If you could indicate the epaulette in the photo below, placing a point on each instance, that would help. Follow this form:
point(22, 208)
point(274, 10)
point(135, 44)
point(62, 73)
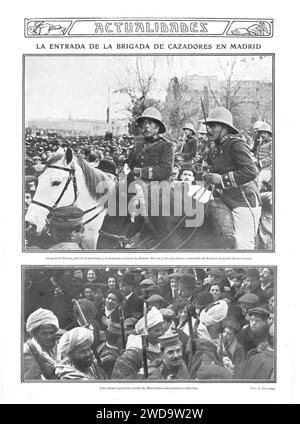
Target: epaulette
point(164, 138)
point(235, 137)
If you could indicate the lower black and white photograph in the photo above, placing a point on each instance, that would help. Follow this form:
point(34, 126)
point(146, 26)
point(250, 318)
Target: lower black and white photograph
point(97, 324)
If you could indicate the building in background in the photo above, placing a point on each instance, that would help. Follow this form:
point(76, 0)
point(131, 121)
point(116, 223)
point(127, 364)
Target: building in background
point(80, 126)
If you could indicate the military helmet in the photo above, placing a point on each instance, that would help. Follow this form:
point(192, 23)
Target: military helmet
point(257, 124)
point(265, 127)
point(153, 114)
point(221, 115)
point(189, 127)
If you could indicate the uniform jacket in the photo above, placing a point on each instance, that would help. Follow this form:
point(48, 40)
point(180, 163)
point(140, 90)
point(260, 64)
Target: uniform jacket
point(154, 157)
point(129, 365)
point(264, 154)
point(162, 373)
point(231, 159)
point(189, 149)
point(108, 356)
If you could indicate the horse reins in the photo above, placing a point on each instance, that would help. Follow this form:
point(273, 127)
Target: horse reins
point(71, 177)
point(180, 222)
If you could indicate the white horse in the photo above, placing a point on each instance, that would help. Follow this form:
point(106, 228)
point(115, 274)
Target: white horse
point(69, 180)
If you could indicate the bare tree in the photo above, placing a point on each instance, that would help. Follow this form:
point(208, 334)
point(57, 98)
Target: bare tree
point(233, 92)
point(137, 84)
point(182, 105)
point(228, 95)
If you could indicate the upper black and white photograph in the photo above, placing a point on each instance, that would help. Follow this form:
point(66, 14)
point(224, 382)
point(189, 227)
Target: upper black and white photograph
point(159, 152)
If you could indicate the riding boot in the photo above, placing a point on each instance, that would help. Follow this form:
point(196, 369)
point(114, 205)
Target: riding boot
point(220, 220)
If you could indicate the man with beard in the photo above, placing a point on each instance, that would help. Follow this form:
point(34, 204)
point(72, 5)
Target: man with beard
point(257, 330)
point(233, 174)
point(171, 366)
point(259, 362)
point(78, 361)
point(40, 351)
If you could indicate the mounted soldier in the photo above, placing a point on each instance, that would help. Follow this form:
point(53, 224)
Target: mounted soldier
point(233, 174)
point(152, 157)
point(189, 146)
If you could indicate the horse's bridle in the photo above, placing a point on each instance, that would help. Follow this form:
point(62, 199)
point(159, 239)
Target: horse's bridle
point(71, 177)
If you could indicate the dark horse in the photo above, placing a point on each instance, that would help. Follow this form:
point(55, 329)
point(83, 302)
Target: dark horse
point(173, 230)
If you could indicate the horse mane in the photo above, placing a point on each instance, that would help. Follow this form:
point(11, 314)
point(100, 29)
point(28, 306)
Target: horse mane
point(92, 177)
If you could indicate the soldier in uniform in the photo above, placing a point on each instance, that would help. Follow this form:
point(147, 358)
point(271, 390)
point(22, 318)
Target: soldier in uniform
point(256, 126)
point(233, 174)
point(151, 158)
point(130, 364)
point(264, 148)
point(66, 228)
point(111, 349)
point(172, 366)
point(189, 148)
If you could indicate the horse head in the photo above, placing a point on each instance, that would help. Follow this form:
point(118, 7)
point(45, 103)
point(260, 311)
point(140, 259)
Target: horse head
point(56, 187)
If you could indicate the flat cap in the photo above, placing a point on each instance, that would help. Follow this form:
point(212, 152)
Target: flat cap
point(147, 282)
point(155, 298)
point(249, 298)
point(259, 311)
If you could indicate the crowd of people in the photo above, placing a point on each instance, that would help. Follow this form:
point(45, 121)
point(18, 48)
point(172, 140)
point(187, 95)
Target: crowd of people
point(141, 323)
point(236, 165)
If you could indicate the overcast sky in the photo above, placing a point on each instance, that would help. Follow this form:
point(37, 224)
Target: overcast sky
point(56, 87)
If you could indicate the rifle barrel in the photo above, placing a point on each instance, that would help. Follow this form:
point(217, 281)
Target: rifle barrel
point(85, 323)
point(145, 363)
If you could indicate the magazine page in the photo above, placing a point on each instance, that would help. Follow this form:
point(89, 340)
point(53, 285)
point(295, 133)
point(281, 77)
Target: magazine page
point(150, 233)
